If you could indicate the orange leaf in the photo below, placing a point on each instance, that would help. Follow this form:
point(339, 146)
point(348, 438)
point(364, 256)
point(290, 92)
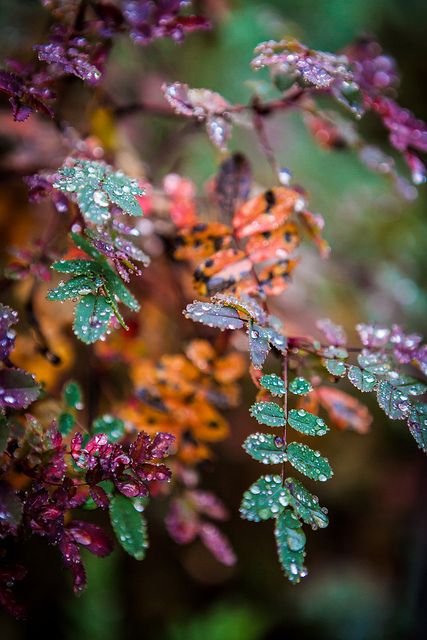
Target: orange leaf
point(344, 411)
point(278, 244)
point(265, 212)
point(201, 241)
point(275, 278)
point(222, 271)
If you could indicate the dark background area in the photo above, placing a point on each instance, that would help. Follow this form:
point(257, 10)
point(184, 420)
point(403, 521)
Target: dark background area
point(368, 570)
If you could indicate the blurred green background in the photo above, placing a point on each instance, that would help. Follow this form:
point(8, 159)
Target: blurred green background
point(368, 570)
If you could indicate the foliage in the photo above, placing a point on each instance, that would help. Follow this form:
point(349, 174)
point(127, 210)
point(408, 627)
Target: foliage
point(236, 246)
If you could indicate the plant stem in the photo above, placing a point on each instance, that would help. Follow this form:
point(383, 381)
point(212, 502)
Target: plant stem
point(285, 407)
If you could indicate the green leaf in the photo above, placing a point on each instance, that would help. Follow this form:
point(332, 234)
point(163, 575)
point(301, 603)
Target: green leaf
point(93, 204)
point(73, 395)
point(78, 286)
point(376, 363)
point(83, 243)
point(406, 384)
point(66, 422)
point(268, 413)
point(265, 499)
point(300, 386)
point(263, 447)
point(113, 427)
point(306, 505)
point(394, 392)
point(290, 540)
point(77, 267)
point(417, 423)
point(307, 423)
point(115, 287)
point(129, 526)
point(362, 379)
point(335, 367)
point(308, 462)
point(96, 186)
point(259, 345)
point(91, 318)
point(274, 384)
point(121, 190)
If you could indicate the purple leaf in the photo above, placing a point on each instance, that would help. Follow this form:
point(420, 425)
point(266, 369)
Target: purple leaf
point(99, 496)
point(405, 345)
point(8, 317)
point(40, 188)
point(334, 333)
point(373, 71)
point(181, 522)
point(217, 543)
point(373, 335)
point(311, 69)
point(27, 91)
point(149, 20)
point(72, 559)
point(209, 504)
point(161, 444)
point(72, 56)
point(91, 536)
point(204, 105)
point(18, 389)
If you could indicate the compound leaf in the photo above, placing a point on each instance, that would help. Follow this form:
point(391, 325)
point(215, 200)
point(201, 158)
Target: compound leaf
point(268, 413)
point(307, 423)
point(308, 462)
point(265, 499)
point(265, 448)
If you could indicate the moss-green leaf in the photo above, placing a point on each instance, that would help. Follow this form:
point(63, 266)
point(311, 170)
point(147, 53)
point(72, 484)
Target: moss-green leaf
point(121, 190)
point(290, 540)
point(113, 427)
point(265, 499)
point(268, 413)
point(115, 287)
point(308, 462)
point(307, 423)
point(77, 267)
point(66, 422)
point(376, 363)
point(96, 186)
point(78, 286)
point(305, 504)
point(300, 386)
point(274, 384)
point(362, 379)
point(129, 526)
point(73, 395)
point(85, 245)
point(264, 448)
point(335, 367)
point(91, 318)
point(417, 423)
